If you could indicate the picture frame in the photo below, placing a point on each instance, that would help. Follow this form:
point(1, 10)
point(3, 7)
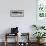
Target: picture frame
point(41, 12)
point(17, 13)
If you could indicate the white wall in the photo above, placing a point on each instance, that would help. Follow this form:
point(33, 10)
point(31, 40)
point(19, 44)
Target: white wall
point(24, 23)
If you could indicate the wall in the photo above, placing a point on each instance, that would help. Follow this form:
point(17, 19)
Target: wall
point(24, 23)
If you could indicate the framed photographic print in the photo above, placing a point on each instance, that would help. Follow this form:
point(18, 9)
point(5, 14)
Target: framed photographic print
point(41, 12)
point(17, 13)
